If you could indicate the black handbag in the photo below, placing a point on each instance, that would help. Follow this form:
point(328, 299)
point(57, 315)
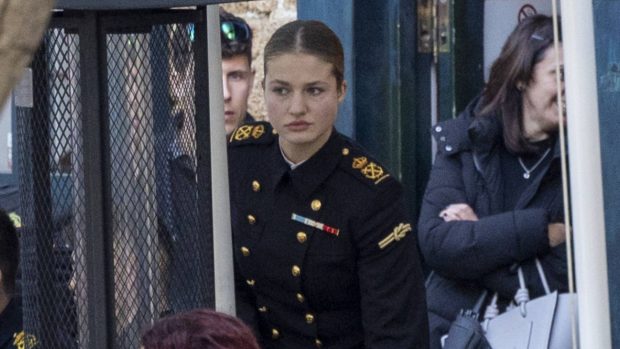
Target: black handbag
point(466, 333)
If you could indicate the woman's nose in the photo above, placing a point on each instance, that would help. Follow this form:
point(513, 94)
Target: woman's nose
point(298, 104)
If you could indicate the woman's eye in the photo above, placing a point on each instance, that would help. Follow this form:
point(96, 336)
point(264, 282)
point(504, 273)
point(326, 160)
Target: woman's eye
point(315, 91)
point(280, 91)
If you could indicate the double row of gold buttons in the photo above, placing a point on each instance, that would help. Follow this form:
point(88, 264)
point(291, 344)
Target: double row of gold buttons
point(302, 237)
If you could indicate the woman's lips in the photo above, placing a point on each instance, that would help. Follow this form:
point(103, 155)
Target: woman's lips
point(297, 125)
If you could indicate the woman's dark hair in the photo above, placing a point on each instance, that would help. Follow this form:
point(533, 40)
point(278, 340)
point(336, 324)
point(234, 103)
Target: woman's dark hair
point(199, 329)
point(514, 67)
point(9, 252)
point(311, 37)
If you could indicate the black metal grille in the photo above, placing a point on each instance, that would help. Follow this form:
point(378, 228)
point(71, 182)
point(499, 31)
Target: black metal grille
point(52, 193)
point(155, 254)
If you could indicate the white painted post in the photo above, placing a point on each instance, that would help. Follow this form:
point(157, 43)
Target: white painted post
point(585, 174)
point(222, 235)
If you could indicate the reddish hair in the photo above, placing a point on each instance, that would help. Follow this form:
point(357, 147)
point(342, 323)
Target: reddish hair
point(199, 329)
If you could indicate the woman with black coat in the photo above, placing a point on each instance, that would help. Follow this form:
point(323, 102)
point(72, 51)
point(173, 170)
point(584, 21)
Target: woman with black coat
point(494, 198)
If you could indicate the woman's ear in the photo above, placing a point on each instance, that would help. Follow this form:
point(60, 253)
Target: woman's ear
point(342, 91)
point(520, 85)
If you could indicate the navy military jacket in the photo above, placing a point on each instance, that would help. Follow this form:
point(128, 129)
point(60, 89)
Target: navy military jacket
point(324, 253)
point(11, 334)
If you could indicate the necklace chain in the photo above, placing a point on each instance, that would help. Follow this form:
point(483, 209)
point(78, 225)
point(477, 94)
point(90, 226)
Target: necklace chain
point(527, 171)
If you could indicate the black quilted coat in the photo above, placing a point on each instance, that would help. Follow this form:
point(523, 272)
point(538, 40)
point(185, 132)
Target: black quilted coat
point(465, 256)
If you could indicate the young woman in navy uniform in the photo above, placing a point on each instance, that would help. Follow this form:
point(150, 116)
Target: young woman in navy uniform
point(324, 251)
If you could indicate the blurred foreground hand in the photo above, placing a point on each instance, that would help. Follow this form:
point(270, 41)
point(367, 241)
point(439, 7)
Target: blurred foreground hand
point(22, 24)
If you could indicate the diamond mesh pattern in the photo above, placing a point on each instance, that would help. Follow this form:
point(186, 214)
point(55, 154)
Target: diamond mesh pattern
point(158, 248)
point(156, 233)
point(53, 244)
point(135, 239)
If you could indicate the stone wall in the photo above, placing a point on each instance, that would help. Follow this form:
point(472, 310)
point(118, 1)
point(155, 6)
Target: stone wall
point(264, 17)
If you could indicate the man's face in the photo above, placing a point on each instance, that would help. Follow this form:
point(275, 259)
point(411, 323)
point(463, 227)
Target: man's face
point(237, 80)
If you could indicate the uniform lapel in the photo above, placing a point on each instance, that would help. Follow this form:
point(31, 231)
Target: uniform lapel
point(311, 174)
point(276, 166)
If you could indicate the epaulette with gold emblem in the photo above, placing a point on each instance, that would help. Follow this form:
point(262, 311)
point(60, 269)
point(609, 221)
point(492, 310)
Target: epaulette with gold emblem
point(365, 168)
point(259, 132)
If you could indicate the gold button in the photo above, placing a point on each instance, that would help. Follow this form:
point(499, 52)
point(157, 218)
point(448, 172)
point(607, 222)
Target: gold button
point(245, 251)
point(275, 334)
point(251, 219)
point(250, 282)
point(345, 151)
point(296, 271)
point(302, 237)
point(262, 309)
point(255, 186)
point(318, 343)
point(316, 205)
point(300, 298)
point(309, 318)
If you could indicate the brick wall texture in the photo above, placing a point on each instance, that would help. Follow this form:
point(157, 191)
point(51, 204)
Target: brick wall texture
point(264, 17)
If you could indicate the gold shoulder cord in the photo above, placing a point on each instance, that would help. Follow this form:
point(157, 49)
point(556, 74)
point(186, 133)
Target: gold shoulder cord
point(567, 216)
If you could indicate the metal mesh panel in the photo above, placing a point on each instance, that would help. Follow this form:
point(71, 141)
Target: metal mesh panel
point(136, 247)
point(156, 254)
point(184, 233)
point(156, 231)
point(52, 237)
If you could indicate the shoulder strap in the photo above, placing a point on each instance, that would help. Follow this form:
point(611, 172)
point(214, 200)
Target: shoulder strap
point(254, 133)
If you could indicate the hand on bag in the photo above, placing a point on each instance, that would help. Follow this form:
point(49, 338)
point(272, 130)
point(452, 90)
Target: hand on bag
point(458, 212)
point(556, 233)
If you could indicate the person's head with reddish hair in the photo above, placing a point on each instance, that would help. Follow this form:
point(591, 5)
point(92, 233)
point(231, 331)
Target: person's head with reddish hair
point(199, 329)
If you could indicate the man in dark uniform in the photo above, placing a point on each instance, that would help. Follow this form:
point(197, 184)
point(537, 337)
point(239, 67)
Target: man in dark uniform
point(324, 252)
point(11, 334)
